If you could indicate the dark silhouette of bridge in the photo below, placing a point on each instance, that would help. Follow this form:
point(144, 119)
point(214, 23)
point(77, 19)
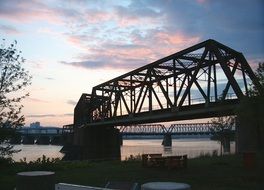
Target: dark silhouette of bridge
point(40, 135)
point(206, 80)
point(174, 129)
point(194, 83)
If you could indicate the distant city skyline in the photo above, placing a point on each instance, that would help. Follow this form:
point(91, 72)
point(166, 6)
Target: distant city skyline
point(71, 46)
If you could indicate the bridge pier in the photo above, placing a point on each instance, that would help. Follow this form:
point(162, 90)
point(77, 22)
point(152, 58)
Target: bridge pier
point(167, 140)
point(120, 139)
point(246, 134)
point(28, 139)
point(16, 140)
point(226, 145)
point(43, 140)
point(57, 140)
point(94, 143)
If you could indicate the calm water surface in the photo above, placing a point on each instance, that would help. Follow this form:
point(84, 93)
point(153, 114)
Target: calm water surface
point(191, 147)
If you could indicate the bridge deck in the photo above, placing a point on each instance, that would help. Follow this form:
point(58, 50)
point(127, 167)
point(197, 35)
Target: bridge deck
point(187, 112)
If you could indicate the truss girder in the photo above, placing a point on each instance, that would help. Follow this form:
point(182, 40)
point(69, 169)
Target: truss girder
point(176, 129)
point(191, 128)
point(143, 129)
point(204, 74)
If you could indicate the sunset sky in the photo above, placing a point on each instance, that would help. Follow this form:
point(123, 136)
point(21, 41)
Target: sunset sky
point(71, 46)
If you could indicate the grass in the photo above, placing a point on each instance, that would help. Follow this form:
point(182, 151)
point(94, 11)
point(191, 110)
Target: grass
point(204, 173)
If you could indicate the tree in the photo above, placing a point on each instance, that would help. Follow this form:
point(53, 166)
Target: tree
point(260, 75)
point(13, 80)
point(250, 114)
point(222, 129)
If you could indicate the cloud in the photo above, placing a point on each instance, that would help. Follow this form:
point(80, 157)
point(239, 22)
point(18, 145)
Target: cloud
point(239, 24)
point(37, 100)
point(64, 12)
point(87, 64)
point(133, 33)
point(49, 78)
point(138, 51)
point(41, 115)
point(9, 29)
point(67, 114)
point(71, 102)
point(48, 115)
point(31, 10)
point(137, 13)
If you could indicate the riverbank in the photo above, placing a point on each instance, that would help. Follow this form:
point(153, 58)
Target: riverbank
point(203, 173)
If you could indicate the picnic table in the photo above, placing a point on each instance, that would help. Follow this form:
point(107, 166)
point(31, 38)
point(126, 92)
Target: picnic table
point(170, 162)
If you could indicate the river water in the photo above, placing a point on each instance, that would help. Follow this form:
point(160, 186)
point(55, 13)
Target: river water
point(191, 147)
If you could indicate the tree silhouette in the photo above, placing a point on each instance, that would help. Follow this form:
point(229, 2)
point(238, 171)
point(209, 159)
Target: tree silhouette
point(222, 129)
point(251, 111)
point(13, 80)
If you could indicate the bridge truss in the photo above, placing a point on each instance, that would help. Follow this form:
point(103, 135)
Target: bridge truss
point(205, 80)
point(146, 129)
point(174, 129)
point(192, 128)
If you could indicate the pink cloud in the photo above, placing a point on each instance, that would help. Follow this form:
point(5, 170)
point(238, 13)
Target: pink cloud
point(163, 43)
point(9, 29)
point(76, 40)
point(28, 11)
point(37, 100)
point(96, 16)
point(143, 50)
point(254, 63)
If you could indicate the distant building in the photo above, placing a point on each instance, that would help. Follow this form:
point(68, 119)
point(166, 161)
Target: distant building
point(35, 125)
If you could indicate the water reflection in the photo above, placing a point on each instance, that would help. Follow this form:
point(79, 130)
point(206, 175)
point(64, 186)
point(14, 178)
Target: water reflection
point(191, 147)
point(167, 150)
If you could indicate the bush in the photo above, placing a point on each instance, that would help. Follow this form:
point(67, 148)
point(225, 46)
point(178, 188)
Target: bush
point(45, 163)
point(133, 158)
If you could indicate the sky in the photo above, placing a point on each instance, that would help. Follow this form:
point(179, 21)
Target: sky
point(71, 46)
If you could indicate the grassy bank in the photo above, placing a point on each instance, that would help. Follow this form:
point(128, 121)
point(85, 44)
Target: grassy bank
point(223, 173)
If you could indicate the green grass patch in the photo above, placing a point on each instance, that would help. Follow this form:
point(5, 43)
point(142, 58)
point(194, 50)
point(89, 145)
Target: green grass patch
point(219, 173)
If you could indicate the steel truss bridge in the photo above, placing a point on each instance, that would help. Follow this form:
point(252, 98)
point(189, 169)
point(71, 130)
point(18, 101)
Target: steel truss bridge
point(205, 80)
point(174, 129)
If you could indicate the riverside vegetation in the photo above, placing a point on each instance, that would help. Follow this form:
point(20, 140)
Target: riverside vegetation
point(206, 172)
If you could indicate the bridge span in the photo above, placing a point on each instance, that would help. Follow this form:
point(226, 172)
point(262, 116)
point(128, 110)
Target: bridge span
point(191, 84)
point(174, 129)
point(39, 135)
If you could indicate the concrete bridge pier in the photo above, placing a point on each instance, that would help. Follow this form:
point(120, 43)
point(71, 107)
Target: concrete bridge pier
point(43, 140)
point(167, 140)
point(246, 136)
point(226, 145)
point(120, 139)
point(28, 139)
point(15, 140)
point(95, 143)
point(57, 140)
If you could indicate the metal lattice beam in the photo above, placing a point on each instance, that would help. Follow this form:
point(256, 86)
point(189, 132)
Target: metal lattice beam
point(205, 80)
